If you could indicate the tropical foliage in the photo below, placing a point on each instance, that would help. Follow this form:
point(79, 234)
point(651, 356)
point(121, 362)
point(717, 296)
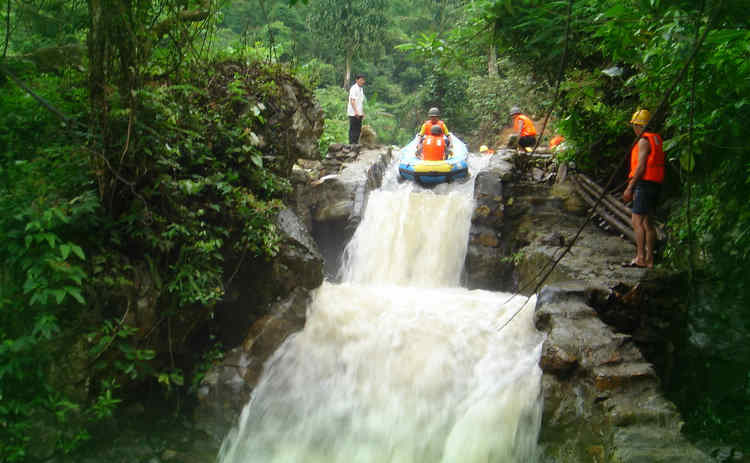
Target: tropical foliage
point(690, 58)
point(129, 153)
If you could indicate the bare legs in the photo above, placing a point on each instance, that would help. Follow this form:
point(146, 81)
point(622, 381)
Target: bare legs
point(645, 240)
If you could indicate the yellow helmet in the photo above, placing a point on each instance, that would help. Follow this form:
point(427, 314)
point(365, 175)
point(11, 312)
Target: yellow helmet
point(640, 117)
point(483, 148)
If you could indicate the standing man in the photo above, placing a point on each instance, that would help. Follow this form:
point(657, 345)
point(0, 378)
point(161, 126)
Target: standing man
point(644, 182)
point(524, 128)
point(355, 109)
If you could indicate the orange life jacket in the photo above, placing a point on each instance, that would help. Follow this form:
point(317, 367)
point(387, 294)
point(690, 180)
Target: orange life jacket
point(654, 163)
point(428, 125)
point(433, 148)
point(528, 126)
point(556, 141)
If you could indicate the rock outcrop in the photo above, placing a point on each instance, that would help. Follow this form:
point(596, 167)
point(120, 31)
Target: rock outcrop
point(602, 399)
point(488, 265)
point(330, 196)
point(258, 283)
point(226, 388)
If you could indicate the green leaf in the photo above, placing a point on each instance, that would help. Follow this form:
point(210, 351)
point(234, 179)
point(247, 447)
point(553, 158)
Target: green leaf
point(687, 161)
point(59, 295)
point(76, 293)
point(163, 378)
point(145, 354)
point(51, 239)
point(257, 159)
point(65, 251)
point(176, 378)
point(78, 251)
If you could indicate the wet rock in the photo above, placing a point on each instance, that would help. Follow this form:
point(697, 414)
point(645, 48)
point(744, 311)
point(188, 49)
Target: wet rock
point(571, 202)
point(556, 360)
point(332, 205)
point(254, 284)
point(346, 180)
point(486, 238)
point(298, 263)
point(553, 239)
point(227, 386)
point(334, 147)
point(300, 175)
point(602, 399)
point(487, 264)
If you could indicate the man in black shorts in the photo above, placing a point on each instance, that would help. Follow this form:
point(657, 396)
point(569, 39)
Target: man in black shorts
point(644, 184)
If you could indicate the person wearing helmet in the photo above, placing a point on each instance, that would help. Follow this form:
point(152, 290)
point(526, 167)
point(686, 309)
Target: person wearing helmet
point(524, 128)
point(485, 150)
point(434, 119)
point(432, 146)
point(644, 183)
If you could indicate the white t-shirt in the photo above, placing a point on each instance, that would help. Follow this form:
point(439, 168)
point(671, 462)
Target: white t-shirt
point(357, 94)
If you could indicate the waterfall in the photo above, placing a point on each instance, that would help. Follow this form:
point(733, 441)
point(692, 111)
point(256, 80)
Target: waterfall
point(398, 363)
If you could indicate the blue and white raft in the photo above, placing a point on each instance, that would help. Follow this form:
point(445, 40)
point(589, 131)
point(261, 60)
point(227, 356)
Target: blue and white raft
point(410, 167)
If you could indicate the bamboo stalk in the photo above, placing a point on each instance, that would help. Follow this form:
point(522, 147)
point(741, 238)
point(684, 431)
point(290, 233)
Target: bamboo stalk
point(614, 206)
point(618, 205)
point(603, 211)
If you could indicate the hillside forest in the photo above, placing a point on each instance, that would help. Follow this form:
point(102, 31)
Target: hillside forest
point(123, 150)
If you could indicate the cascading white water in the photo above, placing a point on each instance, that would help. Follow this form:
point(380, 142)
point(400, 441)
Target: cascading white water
point(398, 363)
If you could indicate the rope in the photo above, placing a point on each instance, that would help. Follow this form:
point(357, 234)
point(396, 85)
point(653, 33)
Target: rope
point(659, 110)
point(560, 75)
point(688, 180)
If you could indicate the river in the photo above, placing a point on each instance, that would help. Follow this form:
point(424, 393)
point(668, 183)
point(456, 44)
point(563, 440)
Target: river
point(397, 362)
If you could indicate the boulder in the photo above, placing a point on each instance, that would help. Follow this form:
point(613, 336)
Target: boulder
point(256, 283)
point(227, 386)
point(331, 206)
point(487, 266)
point(602, 400)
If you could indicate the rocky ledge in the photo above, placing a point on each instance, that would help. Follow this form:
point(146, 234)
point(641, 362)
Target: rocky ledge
point(602, 397)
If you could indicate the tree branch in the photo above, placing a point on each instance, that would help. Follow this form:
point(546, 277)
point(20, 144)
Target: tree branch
point(196, 15)
point(7, 30)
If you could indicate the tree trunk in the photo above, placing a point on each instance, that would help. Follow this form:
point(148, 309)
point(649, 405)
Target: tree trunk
point(348, 73)
point(492, 61)
point(113, 67)
point(492, 55)
point(97, 48)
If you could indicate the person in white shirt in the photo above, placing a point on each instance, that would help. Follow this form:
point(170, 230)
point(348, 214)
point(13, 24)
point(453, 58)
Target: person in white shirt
point(355, 109)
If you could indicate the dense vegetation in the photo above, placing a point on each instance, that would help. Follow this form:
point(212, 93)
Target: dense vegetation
point(112, 171)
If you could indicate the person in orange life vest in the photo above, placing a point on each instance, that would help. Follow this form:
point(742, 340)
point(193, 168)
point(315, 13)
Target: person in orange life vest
point(556, 140)
point(485, 150)
point(523, 126)
point(432, 146)
point(644, 182)
point(434, 119)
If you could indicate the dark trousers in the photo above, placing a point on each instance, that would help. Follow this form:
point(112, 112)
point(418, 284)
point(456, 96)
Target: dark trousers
point(527, 141)
point(355, 127)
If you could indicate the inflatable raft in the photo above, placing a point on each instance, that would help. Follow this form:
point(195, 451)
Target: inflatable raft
point(410, 167)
